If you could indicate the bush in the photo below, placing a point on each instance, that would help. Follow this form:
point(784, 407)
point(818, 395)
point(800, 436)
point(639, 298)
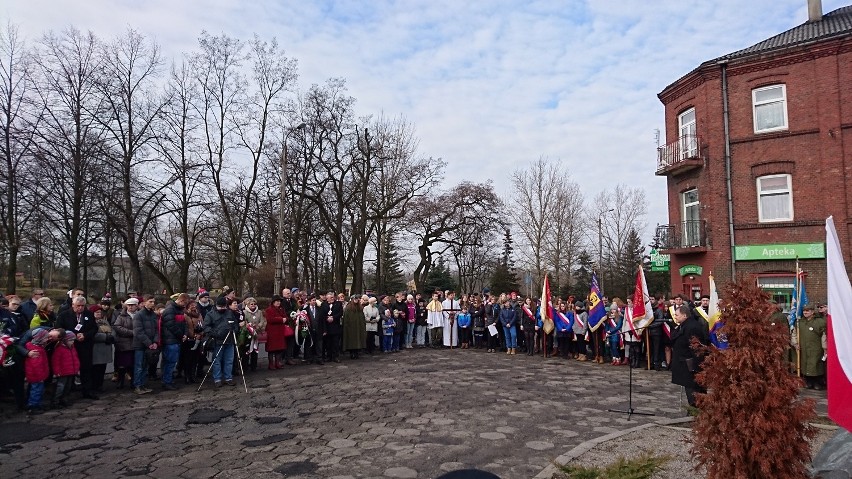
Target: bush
point(752, 421)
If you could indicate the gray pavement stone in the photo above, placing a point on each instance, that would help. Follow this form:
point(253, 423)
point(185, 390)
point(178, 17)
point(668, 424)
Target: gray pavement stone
point(413, 414)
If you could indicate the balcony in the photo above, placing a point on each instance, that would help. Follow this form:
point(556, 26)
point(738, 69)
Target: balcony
point(690, 236)
point(679, 156)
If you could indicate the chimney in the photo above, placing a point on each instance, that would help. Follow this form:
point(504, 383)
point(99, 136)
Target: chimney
point(814, 10)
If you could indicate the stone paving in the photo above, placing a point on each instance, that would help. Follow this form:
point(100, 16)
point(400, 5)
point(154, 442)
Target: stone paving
point(415, 414)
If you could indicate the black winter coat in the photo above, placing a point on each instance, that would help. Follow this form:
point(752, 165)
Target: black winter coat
point(682, 351)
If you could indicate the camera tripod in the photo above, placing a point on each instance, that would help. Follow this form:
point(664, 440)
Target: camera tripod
point(238, 358)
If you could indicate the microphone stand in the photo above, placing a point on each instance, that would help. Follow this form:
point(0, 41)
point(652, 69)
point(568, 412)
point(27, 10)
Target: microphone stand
point(630, 411)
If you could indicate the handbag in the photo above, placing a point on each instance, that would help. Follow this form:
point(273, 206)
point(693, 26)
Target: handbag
point(691, 365)
point(288, 331)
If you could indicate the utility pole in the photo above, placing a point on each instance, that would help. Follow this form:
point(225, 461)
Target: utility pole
point(279, 243)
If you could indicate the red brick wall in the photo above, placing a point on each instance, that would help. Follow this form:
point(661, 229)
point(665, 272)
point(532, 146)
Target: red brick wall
point(816, 149)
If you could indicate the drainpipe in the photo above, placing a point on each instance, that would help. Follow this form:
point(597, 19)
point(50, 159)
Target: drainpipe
point(725, 115)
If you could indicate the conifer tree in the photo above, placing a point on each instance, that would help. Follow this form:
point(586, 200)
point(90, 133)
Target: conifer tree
point(752, 421)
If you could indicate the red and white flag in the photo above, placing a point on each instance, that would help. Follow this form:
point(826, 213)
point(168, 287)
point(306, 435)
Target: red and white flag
point(839, 332)
point(643, 310)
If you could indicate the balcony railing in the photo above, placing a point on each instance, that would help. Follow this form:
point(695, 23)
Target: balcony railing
point(686, 234)
point(680, 155)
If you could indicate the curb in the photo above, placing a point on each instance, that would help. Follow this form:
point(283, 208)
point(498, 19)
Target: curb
point(586, 446)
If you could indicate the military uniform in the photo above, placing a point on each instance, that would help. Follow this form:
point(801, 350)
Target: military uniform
point(812, 349)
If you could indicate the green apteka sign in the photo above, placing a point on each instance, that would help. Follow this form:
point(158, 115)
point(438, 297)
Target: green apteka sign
point(764, 252)
point(691, 269)
point(659, 262)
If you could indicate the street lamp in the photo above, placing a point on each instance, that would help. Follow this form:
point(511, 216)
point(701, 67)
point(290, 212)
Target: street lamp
point(600, 247)
point(279, 244)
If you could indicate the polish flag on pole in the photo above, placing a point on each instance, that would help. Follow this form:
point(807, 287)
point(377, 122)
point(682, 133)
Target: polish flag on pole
point(643, 310)
point(839, 332)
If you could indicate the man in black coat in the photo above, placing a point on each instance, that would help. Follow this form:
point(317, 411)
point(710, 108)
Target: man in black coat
point(79, 320)
point(331, 314)
point(685, 362)
point(317, 326)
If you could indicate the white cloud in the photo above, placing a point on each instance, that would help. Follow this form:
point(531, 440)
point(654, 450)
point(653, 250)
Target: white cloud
point(489, 85)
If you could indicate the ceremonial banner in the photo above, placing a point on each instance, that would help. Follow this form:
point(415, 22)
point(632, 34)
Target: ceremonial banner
point(839, 332)
point(799, 297)
point(597, 312)
point(713, 309)
point(643, 310)
point(545, 308)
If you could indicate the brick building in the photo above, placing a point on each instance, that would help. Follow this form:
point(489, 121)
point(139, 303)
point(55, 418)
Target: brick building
point(760, 153)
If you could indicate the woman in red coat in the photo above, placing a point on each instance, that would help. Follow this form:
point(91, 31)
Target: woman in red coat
point(275, 341)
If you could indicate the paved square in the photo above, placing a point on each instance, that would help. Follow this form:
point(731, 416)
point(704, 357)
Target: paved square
point(418, 413)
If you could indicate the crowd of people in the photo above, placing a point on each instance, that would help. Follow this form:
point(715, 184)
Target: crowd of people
point(47, 353)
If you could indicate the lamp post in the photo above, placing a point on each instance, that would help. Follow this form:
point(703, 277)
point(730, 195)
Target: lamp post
point(600, 247)
point(279, 243)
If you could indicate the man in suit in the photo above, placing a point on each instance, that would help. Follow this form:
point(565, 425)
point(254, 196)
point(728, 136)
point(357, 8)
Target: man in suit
point(317, 330)
point(685, 362)
point(79, 320)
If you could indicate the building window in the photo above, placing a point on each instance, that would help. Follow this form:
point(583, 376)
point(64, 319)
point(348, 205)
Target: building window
point(691, 218)
point(770, 108)
point(688, 138)
point(774, 198)
point(779, 288)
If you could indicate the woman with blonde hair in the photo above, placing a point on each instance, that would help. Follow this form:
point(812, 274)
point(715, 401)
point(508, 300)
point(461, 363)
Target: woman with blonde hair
point(44, 315)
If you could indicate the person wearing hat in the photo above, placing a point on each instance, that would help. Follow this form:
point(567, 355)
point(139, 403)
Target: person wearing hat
point(122, 327)
point(810, 342)
point(204, 304)
point(221, 327)
point(276, 318)
point(579, 328)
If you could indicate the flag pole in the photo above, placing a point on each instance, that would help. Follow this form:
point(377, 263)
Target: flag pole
point(798, 307)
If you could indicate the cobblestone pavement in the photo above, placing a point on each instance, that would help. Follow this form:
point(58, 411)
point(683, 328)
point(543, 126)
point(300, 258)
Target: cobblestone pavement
point(414, 414)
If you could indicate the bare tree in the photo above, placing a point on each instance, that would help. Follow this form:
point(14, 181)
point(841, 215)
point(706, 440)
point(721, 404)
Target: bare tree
point(186, 193)
point(131, 105)
point(622, 209)
point(18, 122)
point(237, 119)
point(440, 216)
point(535, 196)
point(69, 146)
point(566, 226)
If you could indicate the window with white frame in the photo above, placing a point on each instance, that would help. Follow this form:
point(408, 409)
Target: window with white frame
point(770, 108)
point(775, 198)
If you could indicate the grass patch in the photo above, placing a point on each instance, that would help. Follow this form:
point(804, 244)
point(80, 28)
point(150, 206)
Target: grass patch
point(642, 467)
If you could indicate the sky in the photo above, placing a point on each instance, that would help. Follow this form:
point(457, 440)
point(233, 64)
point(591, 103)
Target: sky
point(490, 85)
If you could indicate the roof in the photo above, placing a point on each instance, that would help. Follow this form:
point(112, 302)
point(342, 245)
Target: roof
point(837, 23)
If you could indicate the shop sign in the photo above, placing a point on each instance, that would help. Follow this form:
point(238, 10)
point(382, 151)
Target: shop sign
point(764, 252)
point(693, 269)
point(659, 262)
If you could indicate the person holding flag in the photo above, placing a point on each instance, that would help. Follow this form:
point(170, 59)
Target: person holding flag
point(545, 324)
point(810, 342)
point(597, 315)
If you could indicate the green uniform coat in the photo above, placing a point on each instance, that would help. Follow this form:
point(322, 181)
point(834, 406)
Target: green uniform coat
point(810, 341)
point(354, 329)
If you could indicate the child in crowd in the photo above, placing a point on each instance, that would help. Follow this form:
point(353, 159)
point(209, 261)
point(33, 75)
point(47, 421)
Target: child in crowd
point(463, 320)
point(388, 324)
point(36, 369)
point(65, 365)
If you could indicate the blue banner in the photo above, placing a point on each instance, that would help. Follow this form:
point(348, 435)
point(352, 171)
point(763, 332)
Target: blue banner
point(799, 299)
point(597, 311)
